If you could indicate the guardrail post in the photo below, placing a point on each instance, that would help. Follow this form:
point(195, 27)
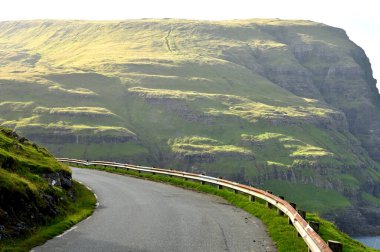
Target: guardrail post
point(302, 213)
point(220, 187)
point(269, 205)
point(153, 173)
point(203, 183)
point(236, 191)
point(314, 225)
point(279, 212)
point(294, 205)
point(335, 246)
point(252, 198)
point(290, 221)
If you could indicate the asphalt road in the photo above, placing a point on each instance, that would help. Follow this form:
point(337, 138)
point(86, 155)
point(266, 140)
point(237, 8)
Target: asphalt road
point(140, 215)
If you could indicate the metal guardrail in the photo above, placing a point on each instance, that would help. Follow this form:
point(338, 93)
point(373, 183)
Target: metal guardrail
point(311, 238)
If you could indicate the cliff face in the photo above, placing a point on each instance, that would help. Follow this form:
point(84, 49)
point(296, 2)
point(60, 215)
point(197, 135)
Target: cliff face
point(342, 77)
point(347, 84)
point(286, 105)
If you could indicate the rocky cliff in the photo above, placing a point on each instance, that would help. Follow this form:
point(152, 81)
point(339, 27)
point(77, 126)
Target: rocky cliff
point(288, 105)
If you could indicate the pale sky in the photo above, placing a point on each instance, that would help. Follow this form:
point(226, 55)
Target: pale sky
point(360, 19)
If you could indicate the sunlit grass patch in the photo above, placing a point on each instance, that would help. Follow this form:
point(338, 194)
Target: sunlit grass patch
point(86, 111)
point(202, 145)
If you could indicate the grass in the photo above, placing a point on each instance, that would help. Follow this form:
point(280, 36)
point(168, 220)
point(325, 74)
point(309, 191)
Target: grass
point(77, 210)
point(202, 145)
point(293, 147)
point(27, 198)
point(157, 82)
point(14, 183)
point(25, 157)
point(307, 194)
point(329, 230)
point(284, 235)
point(78, 128)
point(237, 105)
point(370, 198)
point(86, 111)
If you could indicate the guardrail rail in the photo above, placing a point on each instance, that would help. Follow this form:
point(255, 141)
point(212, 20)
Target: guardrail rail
point(314, 242)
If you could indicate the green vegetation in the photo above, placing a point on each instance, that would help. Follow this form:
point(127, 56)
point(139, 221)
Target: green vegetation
point(251, 100)
point(38, 200)
point(306, 195)
point(204, 146)
point(235, 105)
point(19, 155)
point(77, 210)
point(329, 230)
point(72, 111)
point(284, 235)
point(290, 148)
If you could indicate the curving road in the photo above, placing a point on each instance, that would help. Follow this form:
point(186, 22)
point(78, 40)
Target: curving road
point(139, 215)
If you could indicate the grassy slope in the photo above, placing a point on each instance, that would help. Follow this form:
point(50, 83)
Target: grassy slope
point(77, 210)
point(26, 198)
point(164, 85)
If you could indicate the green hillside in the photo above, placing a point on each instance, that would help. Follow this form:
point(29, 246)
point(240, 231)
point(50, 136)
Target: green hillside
point(34, 188)
point(38, 199)
point(286, 105)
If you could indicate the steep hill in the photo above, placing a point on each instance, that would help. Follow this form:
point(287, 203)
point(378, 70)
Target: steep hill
point(286, 105)
point(34, 188)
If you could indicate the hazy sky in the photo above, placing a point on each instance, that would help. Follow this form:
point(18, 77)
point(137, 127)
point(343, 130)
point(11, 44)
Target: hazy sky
point(360, 19)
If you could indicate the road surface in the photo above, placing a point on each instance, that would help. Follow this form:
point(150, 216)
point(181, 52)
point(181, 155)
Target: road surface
point(139, 215)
